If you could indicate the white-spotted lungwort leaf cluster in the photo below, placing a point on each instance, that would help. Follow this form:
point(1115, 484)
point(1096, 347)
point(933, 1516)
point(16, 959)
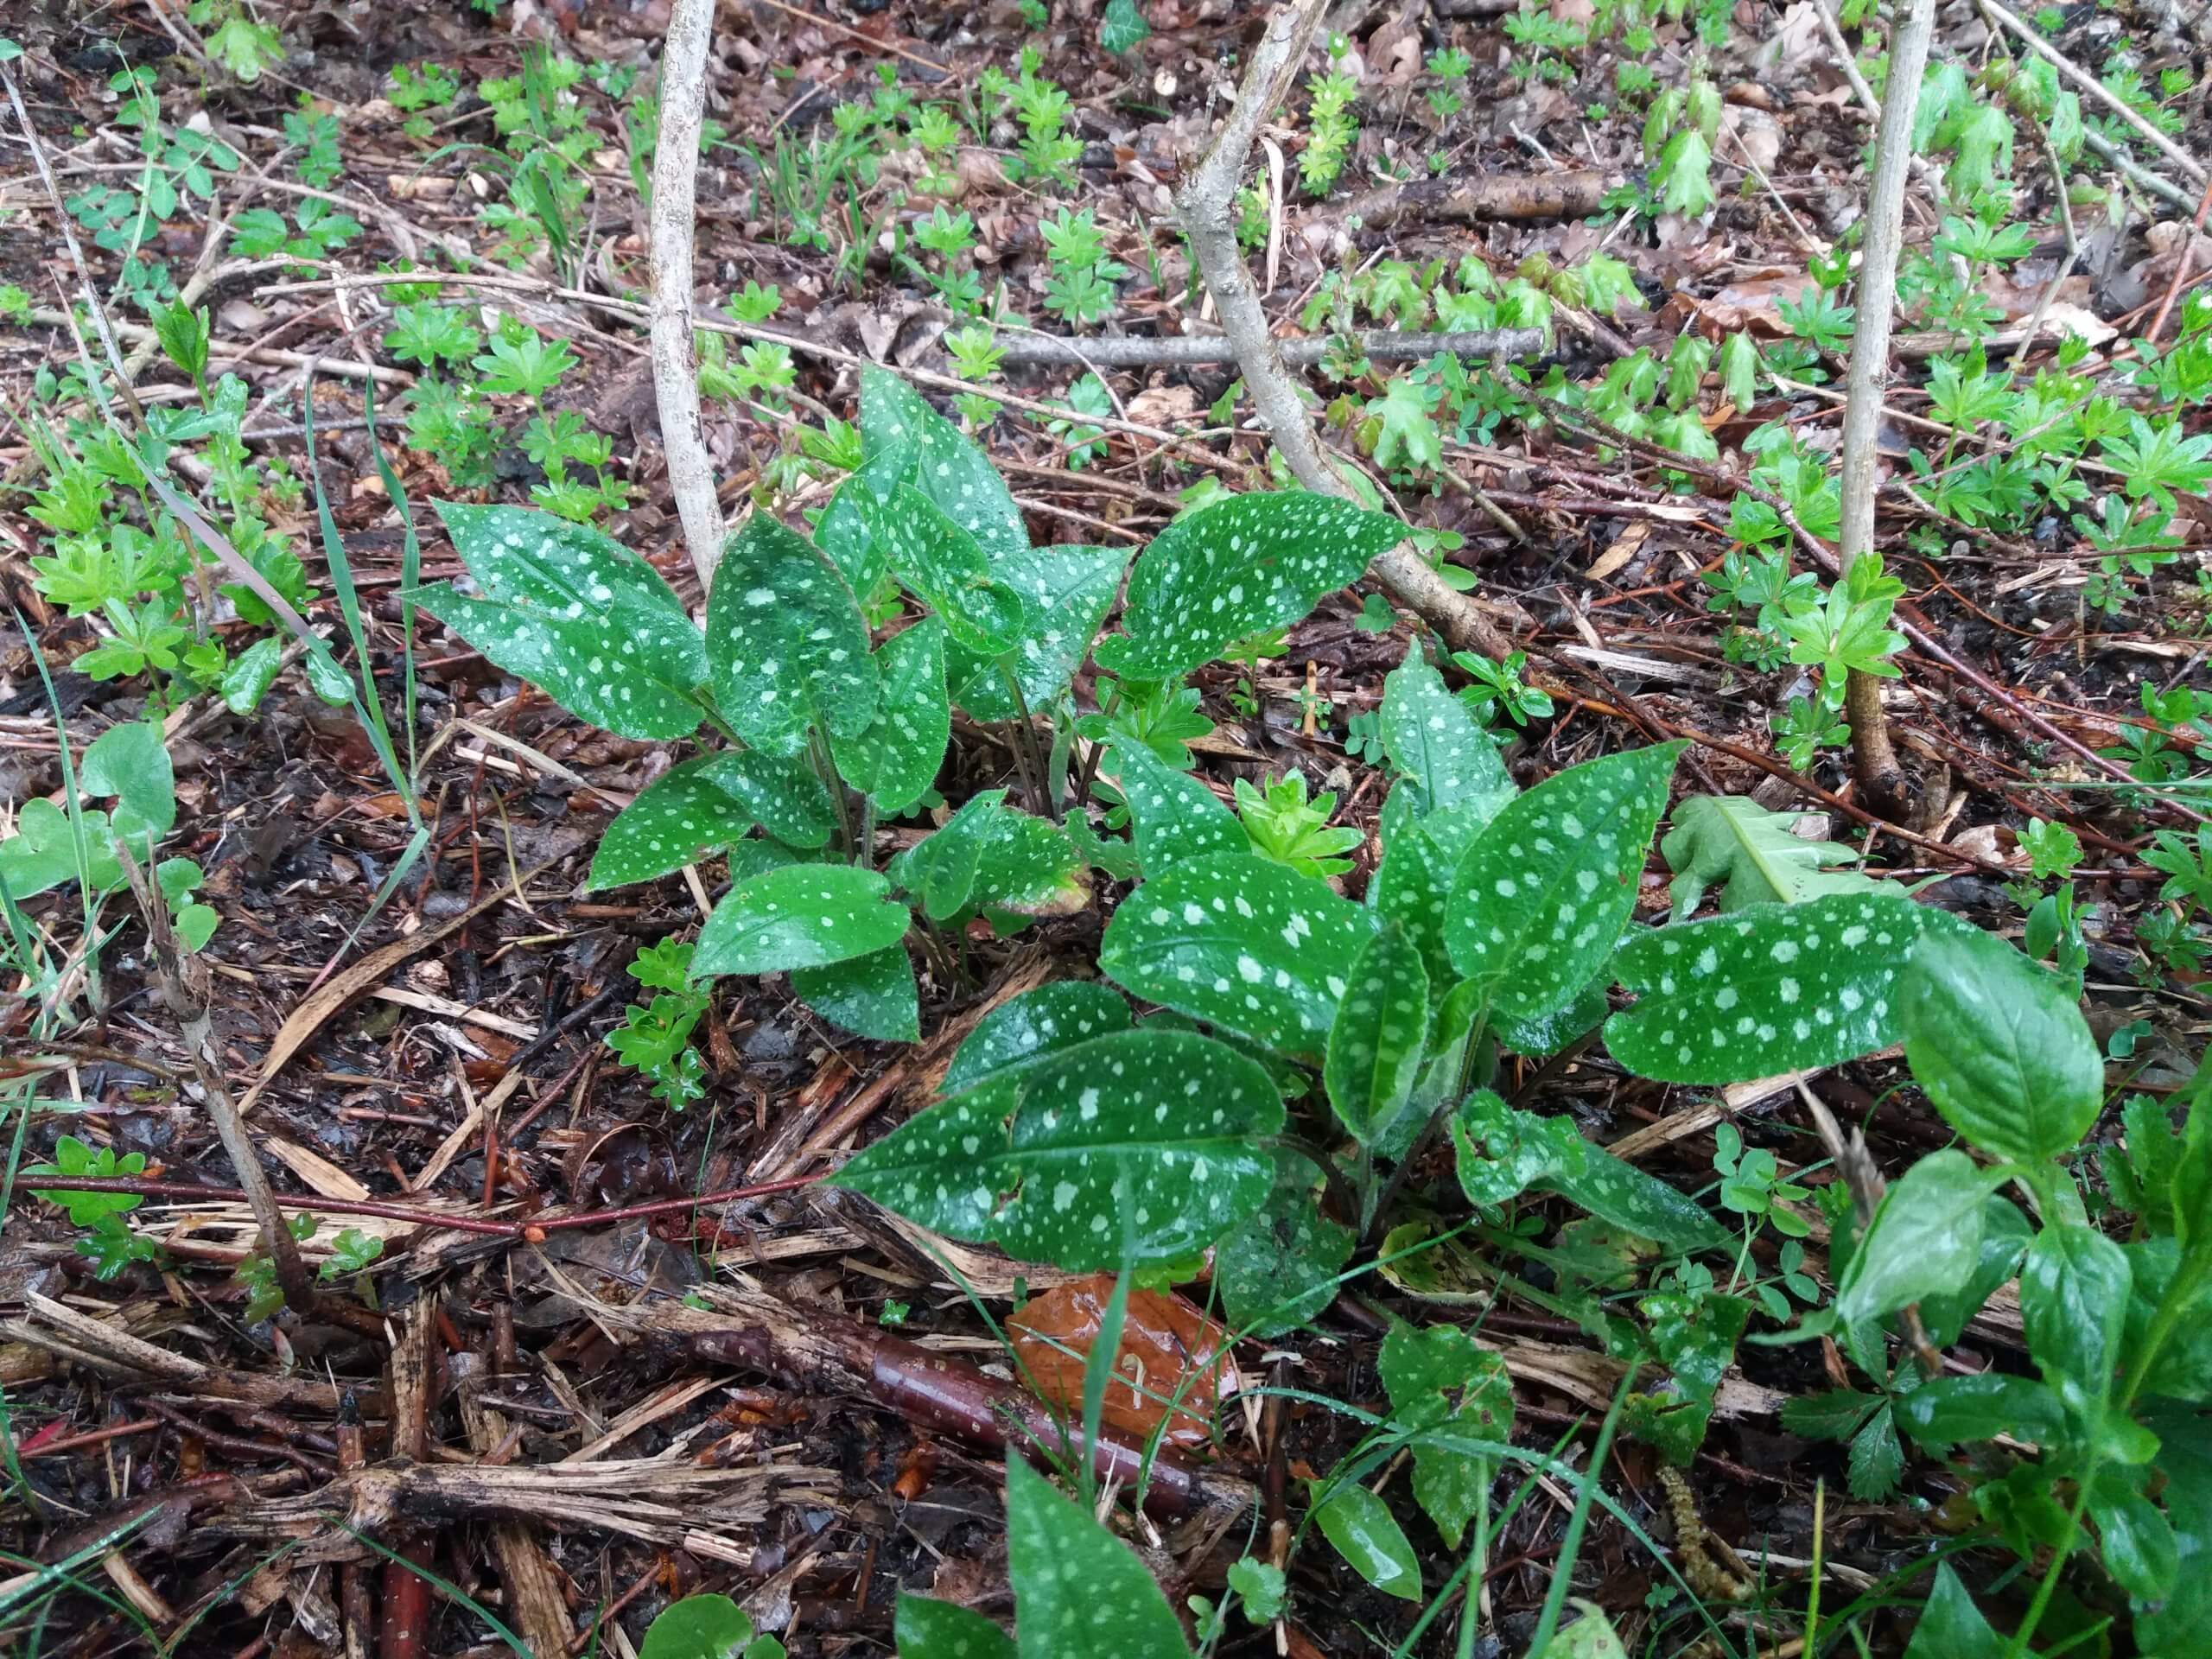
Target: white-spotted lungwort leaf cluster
point(1265, 1061)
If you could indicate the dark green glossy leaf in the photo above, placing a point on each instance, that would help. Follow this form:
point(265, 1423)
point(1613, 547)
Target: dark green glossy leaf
point(843, 533)
point(2140, 1549)
point(678, 819)
point(785, 641)
point(873, 995)
point(2074, 1290)
point(1065, 593)
point(1770, 989)
point(2004, 1235)
point(1240, 942)
point(251, 674)
point(1172, 815)
point(1951, 1626)
point(1547, 887)
point(1279, 1269)
point(945, 567)
point(939, 870)
point(1413, 888)
point(2185, 1465)
point(926, 1628)
point(1132, 1147)
point(1434, 741)
point(1032, 1027)
point(2000, 1046)
point(1077, 1590)
point(1548, 1033)
point(896, 759)
point(788, 796)
point(1365, 1532)
point(1249, 563)
point(989, 857)
point(948, 468)
point(1925, 1238)
point(1953, 1410)
point(1438, 1378)
point(1376, 1042)
point(800, 916)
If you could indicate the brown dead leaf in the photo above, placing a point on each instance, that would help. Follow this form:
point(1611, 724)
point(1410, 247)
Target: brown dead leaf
point(1168, 1346)
point(1163, 406)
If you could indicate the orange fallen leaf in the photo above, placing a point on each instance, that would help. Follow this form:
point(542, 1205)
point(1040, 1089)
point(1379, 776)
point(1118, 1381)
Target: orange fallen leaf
point(1167, 1345)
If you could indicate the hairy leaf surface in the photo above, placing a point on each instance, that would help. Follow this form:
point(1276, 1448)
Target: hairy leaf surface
point(676, 819)
point(873, 995)
point(945, 567)
point(948, 468)
point(1173, 816)
point(1435, 742)
point(1032, 1027)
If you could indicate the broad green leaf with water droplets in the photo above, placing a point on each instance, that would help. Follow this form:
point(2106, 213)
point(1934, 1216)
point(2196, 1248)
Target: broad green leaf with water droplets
point(873, 995)
point(1279, 1268)
point(896, 759)
point(1503, 1152)
point(800, 916)
point(1773, 989)
point(577, 614)
point(1240, 943)
point(1173, 816)
point(1925, 1238)
point(948, 468)
point(1032, 1027)
point(1365, 1532)
point(1543, 894)
point(1375, 1043)
point(1732, 839)
point(1249, 563)
point(945, 567)
point(1548, 1034)
point(785, 641)
point(1439, 1379)
point(2000, 1046)
point(1437, 745)
point(678, 819)
point(1078, 1592)
point(1065, 593)
point(1134, 1146)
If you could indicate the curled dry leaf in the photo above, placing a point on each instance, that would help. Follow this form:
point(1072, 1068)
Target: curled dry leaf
point(1172, 1358)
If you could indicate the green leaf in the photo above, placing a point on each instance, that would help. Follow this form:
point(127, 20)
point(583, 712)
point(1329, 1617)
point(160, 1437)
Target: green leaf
point(1767, 991)
point(1065, 593)
point(1368, 1537)
point(1591, 1637)
point(2074, 1284)
point(946, 568)
point(1077, 1590)
point(75, 1157)
point(1547, 887)
point(1122, 28)
point(896, 759)
point(577, 614)
point(988, 856)
point(1739, 363)
point(1375, 1045)
point(699, 1627)
point(1279, 1268)
point(1924, 1239)
point(676, 819)
point(800, 916)
point(1503, 1151)
point(1432, 739)
point(1440, 1379)
point(42, 852)
point(2140, 1549)
point(788, 796)
point(949, 469)
point(2000, 1046)
point(1951, 1626)
point(1548, 1033)
point(1244, 564)
point(1412, 888)
point(1241, 943)
point(844, 533)
point(1732, 838)
point(785, 641)
point(1405, 430)
point(1261, 1586)
point(926, 1628)
point(1136, 1146)
point(2004, 1235)
point(1173, 816)
point(873, 995)
point(251, 673)
point(130, 763)
point(1032, 1027)
point(1949, 1410)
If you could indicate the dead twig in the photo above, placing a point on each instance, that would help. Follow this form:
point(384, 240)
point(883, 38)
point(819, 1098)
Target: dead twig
point(1385, 345)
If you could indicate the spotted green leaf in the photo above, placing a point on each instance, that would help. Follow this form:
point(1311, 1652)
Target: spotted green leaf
point(1412, 888)
point(1440, 1381)
point(1077, 1589)
point(1544, 892)
point(1135, 1146)
point(928, 1628)
point(945, 567)
point(1436, 744)
point(949, 469)
point(1240, 943)
point(1064, 593)
point(2000, 1048)
point(1173, 816)
point(1755, 853)
point(1247, 563)
point(896, 759)
point(577, 614)
point(788, 796)
point(1376, 1042)
point(1548, 1034)
point(1364, 1532)
point(1503, 1152)
point(676, 819)
point(1033, 1027)
point(940, 869)
point(799, 916)
point(1773, 989)
point(1279, 1268)
point(989, 857)
point(785, 641)
point(843, 533)
point(873, 995)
